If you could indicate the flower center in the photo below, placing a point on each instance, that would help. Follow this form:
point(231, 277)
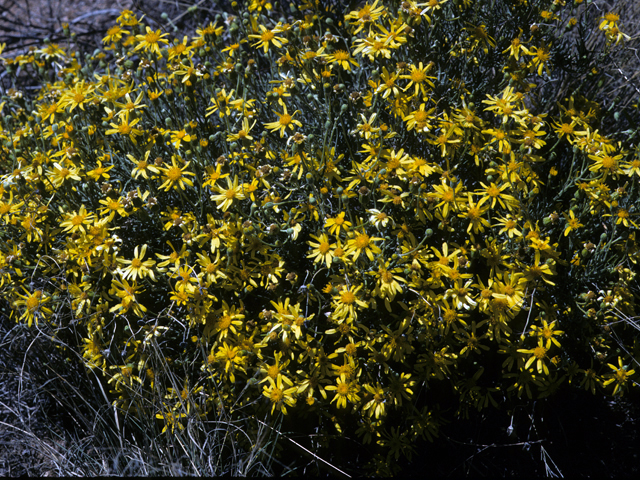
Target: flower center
point(174, 174)
point(273, 371)
point(347, 298)
point(285, 119)
point(539, 352)
point(343, 389)
point(152, 37)
point(362, 241)
point(276, 395)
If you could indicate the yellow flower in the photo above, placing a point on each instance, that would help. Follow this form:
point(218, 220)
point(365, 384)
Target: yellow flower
point(631, 168)
point(151, 41)
point(322, 251)
point(336, 224)
point(77, 96)
point(137, 268)
point(171, 419)
point(130, 105)
point(475, 214)
point(572, 223)
point(620, 376)
point(418, 78)
point(224, 320)
point(115, 34)
point(143, 167)
point(179, 136)
point(346, 391)
point(493, 193)
point(128, 19)
point(346, 302)
point(76, 221)
point(540, 58)
point(509, 226)
point(175, 258)
point(606, 162)
point(517, 46)
point(537, 355)
point(63, 173)
point(268, 37)
point(380, 219)
point(232, 358)
point(504, 106)
point(449, 197)
point(125, 128)
point(547, 333)
point(609, 20)
point(243, 133)
point(8, 208)
point(285, 120)
point(342, 58)
point(375, 406)
point(226, 196)
point(99, 172)
point(534, 272)
point(362, 243)
point(367, 14)
point(388, 284)
point(279, 396)
point(175, 177)
point(127, 294)
point(388, 85)
point(366, 128)
point(111, 206)
point(34, 306)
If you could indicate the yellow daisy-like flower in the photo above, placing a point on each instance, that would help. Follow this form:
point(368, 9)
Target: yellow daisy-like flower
point(226, 196)
point(322, 250)
point(375, 406)
point(342, 58)
point(363, 243)
point(620, 376)
point(126, 127)
point(607, 163)
point(279, 395)
point(34, 306)
point(175, 177)
point(537, 355)
point(111, 207)
point(224, 320)
point(285, 120)
point(346, 391)
point(573, 223)
point(76, 221)
point(151, 41)
point(143, 167)
point(336, 224)
point(547, 333)
point(419, 79)
point(171, 419)
point(62, 173)
point(137, 268)
point(267, 37)
point(346, 302)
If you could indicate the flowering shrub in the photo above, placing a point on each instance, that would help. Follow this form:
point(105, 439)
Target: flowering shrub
point(373, 220)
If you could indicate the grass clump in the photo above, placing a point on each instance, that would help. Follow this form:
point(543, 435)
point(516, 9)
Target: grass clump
point(342, 223)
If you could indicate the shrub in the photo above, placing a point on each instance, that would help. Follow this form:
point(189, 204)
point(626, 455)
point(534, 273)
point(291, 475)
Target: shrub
point(370, 220)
